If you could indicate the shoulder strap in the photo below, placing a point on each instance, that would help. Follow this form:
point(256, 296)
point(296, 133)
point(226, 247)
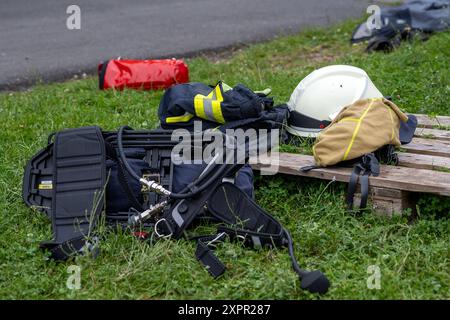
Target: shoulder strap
point(205, 254)
point(243, 220)
point(368, 165)
point(79, 245)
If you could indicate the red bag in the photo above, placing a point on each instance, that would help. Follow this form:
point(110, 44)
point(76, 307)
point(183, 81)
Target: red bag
point(142, 74)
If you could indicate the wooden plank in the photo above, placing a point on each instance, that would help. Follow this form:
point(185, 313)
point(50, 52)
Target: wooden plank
point(393, 177)
point(421, 161)
point(428, 146)
point(427, 122)
point(437, 134)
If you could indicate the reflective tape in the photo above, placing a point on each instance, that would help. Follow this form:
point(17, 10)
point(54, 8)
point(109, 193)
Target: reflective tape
point(184, 118)
point(209, 107)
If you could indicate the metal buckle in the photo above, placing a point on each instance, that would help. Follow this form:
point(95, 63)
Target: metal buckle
point(220, 235)
point(90, 247)
point(168, 226)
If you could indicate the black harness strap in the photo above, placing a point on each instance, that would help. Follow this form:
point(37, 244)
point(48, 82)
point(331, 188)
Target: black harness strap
point(369, 165)
point(300, 120)
point(364, 181)
point(69, 248)
point(242, 220)
point(308, 168)
point(352, 185)
point(205, 254)
point(245, 221)
point(252, 239)
point(182, 212)
point(232, 206)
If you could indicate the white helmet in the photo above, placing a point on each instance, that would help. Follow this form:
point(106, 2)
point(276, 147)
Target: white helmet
point(319, 97)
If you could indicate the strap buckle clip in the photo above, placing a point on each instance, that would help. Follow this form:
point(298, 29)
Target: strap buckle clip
point(370, 164)
point(159, 235)
point(216, 239)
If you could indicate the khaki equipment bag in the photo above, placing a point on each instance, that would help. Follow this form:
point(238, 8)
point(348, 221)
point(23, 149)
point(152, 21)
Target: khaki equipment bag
point(360, 128)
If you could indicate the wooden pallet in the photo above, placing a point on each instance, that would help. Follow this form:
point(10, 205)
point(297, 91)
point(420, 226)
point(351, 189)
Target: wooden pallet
point(424, 167)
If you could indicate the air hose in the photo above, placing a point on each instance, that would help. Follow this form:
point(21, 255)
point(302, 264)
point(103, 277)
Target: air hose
point(314, 281)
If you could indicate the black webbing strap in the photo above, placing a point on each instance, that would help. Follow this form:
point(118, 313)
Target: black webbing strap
point(123, 179)
point(69, 248)
point(205, 254)
point(369, 165)
point(183, 212)
point(206, 245)
point(242, 220)
point(254, 239)
point(300, 120)
point(308, 168)
point(357, 169)
point(235, 208)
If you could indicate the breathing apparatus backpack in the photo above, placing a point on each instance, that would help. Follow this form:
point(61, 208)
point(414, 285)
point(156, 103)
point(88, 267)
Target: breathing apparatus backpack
point(363, 134)
point(68, 180)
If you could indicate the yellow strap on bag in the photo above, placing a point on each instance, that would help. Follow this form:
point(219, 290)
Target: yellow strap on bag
point(360, 128)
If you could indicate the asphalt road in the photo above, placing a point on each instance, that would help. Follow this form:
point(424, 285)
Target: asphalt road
point(36, 45)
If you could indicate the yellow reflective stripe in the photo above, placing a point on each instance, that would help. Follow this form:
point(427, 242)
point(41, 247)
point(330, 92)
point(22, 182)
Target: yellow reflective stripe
point(198, 105)
point(218, 93)
point(209, 107)
point(184, 118)
point(217, 111)
point(355, 133)
point(217, 107)
point(392, 122)
point(349, 119)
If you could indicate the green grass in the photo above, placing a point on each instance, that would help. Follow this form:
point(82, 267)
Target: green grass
point(413, 258)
